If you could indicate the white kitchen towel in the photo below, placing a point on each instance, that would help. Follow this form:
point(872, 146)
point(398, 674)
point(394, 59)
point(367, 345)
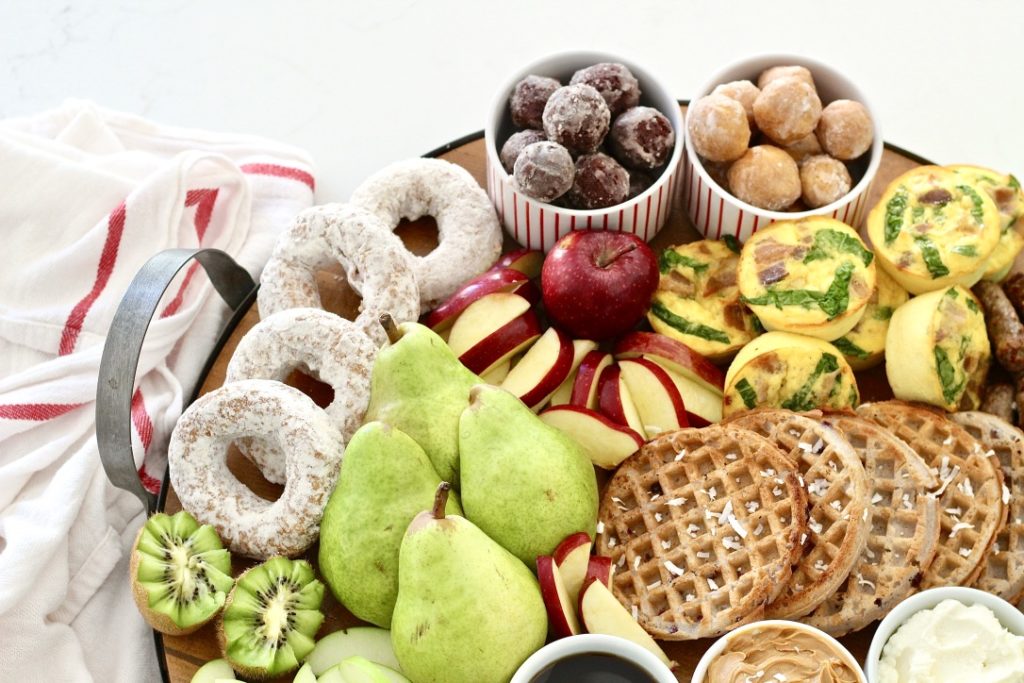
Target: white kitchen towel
point(87, 195)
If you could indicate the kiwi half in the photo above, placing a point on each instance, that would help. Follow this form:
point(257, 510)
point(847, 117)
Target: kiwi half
point(271, 617)
point(180, 573)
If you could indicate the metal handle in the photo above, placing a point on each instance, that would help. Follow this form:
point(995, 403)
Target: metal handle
point(123, 347)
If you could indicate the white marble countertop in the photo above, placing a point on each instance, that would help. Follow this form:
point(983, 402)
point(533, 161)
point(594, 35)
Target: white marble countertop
point(361, 84)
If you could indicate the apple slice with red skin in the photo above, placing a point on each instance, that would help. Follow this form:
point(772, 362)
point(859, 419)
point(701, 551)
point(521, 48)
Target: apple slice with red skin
point(584, 388)
point(703, 406)
point(601, 569)
point(672, 355)
point(527, 261)
point(600, 612)
point(545, 366)
point(491, 282)
point(572, 557)
point(497, 374)
point(502, 344)
point(561, 610)
point(483, 317)
point(656, 396)
point(606, 443)
point(561, 395)
point(615, 400)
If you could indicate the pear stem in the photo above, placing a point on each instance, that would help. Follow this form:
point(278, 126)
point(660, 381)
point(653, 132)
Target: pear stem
point(441, 499)
point(388, 323)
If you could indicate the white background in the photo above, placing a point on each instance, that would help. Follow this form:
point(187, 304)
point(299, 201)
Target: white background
point(361, 84)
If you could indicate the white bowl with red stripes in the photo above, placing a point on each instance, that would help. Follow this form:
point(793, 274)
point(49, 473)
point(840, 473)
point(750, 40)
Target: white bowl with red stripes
point(717, 214)
point(538, 225)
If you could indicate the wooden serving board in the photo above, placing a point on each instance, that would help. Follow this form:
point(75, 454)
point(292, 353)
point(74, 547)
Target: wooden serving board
point(184, 654)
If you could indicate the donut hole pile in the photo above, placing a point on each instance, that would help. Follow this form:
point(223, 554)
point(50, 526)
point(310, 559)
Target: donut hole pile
point(775, 145)
point(589, 144)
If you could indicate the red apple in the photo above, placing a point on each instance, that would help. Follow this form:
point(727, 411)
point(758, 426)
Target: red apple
point(615, 400)
point(601, 569)
point(526, 261)
point(561, 610)
point(584, 389)
point(502, 344)
point(572, 557)
point(674, 355)
point(500, 280)
point(563, 394)
point(606, 444)
point(602, 613)
point(597, 284)
point(656, 396)
point(542, 369)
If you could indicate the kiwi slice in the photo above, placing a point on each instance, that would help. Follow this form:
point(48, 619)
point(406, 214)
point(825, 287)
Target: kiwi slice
point(180, 572)
point(271, 617)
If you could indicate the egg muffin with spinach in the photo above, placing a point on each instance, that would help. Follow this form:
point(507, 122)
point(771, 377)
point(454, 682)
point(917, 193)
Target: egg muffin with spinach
point(864, 345)
point(1006, 192)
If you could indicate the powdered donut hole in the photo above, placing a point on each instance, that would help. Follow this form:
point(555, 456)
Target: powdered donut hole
point(765, 177)
point(743, 92)
point(787, 109)
point(544, 170)
point(616, 83)
point(600, 182)
point(577, 118)
point(718, 127)
point(719, 172)
point(845, 129)
point(515, 144)
point(638, 183)
point(528, 99)
point(824, 180)
point(804, 148)
point(642, 137)
point(776, 72)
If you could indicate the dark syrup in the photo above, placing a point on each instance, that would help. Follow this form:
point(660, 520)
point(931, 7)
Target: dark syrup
point(593, 667)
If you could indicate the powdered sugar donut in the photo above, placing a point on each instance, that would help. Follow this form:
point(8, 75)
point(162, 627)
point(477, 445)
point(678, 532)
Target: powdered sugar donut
point(321, 344)
point(376, 263)
point(469, 236)
point(288, 421)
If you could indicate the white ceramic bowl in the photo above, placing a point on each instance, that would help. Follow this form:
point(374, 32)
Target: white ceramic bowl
point(592, 642)
point(537, 225)
point(716, 213)
point(720, 644)
point(1009, 616)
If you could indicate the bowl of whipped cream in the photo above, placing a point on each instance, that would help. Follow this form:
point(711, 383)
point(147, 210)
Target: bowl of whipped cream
point(949, 635)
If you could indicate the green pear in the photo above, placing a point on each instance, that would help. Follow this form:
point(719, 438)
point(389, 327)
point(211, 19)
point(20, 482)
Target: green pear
point(468, 611)
point(525, 484)
point(420, 387)
point(385, 479)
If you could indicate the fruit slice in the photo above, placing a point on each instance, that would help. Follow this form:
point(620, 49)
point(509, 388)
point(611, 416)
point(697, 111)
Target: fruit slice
point(584, 389)
point(615, 400)
point(703, 406)
point(180, 573)
point(526, 261)
point(673, 355)
point(491, 282)
point(497, 374)
point(214, 670)
point(367, 641)
point(561, 610)
point(504, 343)
point(484, 317)
point(580, 348)
point(271, 617)
point(606, 443)
point(304, 675)
point(361, 670)
point(602, 613)
point(656, 396)
point(601, 569)
point(542, 369)
point(572, 556)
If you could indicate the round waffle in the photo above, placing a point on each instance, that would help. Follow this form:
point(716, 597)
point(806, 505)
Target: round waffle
point(704, 526)
point(970, 493)
point(903, 536)
point(1003, 573)
point(838, 519)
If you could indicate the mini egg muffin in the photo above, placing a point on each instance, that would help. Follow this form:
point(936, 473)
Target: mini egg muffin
point(864, 345)
point(790, 371)
point(812, 276)
point(932, 229)
point(698, 301)
point(1006, 192)
point(937, 350)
